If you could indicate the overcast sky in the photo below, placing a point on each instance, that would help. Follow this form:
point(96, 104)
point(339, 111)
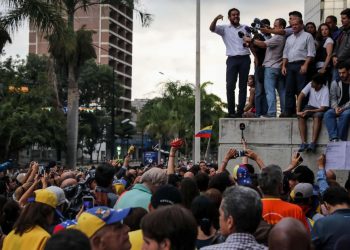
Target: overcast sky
point(168, 45)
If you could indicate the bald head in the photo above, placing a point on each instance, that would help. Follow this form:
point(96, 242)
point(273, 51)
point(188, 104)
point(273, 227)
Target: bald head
point(69, 182)
point(331, 175)
point(67, 175)
point(289, 234)
point(189, 174)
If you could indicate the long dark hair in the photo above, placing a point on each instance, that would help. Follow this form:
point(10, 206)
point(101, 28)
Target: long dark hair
point(319, 36)
point(34, 214)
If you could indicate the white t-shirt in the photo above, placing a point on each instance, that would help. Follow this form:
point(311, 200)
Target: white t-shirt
point(233, 43)
point(319, 98)
point(328, 41)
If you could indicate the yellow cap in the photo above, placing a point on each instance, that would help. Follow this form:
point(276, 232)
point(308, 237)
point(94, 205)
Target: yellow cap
point(46, 197)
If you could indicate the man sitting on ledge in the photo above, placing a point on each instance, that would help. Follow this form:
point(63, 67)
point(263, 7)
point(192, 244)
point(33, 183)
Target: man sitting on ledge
point(340, 106)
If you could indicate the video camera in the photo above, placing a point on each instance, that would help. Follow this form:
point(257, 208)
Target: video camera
point(257, 24)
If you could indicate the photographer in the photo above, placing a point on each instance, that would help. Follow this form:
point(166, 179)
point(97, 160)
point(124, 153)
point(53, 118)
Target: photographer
point(259, 57)
point(273, 78)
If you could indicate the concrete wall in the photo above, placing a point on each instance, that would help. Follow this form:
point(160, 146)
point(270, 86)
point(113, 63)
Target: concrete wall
point(274, 140)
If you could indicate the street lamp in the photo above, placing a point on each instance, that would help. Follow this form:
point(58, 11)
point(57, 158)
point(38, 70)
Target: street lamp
point(112, 133)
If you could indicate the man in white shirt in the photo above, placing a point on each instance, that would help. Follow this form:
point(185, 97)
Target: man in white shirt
point(297, 55)
point(238, 60)
point(318, 93)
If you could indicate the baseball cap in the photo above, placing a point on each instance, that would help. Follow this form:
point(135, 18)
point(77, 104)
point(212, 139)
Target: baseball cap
point(61, 197)
point(241, 175)
point(44, 196)
point(166, 195)
point(302, 191)
point(93, 219)
point(20, 177)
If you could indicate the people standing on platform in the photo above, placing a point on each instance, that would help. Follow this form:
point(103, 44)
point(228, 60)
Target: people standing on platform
point(298, 52)
point(318, 94)
point(323, 58)
point(238, 60)
point(273, 78)
point(337, 118)
point(341, 51)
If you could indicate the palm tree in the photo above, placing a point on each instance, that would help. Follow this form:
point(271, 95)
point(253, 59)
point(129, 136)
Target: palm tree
point(55, 18)
point(4, 38)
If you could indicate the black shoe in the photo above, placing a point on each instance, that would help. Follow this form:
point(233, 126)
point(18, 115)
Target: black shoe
point(286, 115)
point(230, 116)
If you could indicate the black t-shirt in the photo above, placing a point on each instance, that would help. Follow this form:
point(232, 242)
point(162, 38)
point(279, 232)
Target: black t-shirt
point(345, 94)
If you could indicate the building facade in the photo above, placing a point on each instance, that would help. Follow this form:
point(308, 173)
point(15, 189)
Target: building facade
point(317, 10)
point(113, 27)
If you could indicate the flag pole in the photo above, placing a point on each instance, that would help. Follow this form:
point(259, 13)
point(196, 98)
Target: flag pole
point(206, 151)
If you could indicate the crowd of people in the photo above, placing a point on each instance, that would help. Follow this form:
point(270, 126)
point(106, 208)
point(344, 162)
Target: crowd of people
point(308, 66)
point(176, 207)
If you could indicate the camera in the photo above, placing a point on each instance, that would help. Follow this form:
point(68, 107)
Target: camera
point(240, 153)
point(242, 126)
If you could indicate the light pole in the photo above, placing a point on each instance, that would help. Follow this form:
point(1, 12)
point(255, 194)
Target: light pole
point(197, 115)
point(112, 133)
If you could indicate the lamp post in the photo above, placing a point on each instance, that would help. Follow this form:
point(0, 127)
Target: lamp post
point(112, 133)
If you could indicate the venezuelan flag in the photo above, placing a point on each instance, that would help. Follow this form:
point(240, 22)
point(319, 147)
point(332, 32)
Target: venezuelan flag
point(205, 132)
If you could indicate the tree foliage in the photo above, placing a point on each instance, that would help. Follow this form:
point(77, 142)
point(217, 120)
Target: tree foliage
point(27, 118)
point(172, 114)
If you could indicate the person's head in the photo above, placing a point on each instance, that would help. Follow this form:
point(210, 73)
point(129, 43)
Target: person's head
point(270, 180)
point(203, 166)
point(202, 180)
point(251, 81)
point(318, 81)
point(220, 181)
point(331, 21)
point(205, 213)
point(334, 197)
point(133, 220)
point(279, 23)
point(104, 175)
point(289, 234)
point(21, 190)
point(323, 31)
point(310, 27)
point(302, 195)
point(164, 196)
point(68, 183)
point(234, 16)
point(330, 175)
point(214, 195)
point(345, 18)
point(294, 15)
point(189, 190)
point(105, 228)
point(169, 228)
point(297, 25)
point(343, 70)
point(303, 174)
point(240, 211)
point(39, 212)
point(154, 178)
point(70, 239)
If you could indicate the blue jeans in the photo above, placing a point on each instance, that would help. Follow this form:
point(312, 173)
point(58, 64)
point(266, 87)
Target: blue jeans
point(237, 65)
point(260, 96)
point(337, 129)
point(274, 80)
point(295, 82)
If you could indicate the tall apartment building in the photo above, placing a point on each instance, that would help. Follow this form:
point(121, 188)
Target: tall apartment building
point(317, 10)
point(113, 26)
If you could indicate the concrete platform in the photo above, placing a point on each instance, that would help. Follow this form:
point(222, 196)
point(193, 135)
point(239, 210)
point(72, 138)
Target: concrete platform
point(274, 140)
